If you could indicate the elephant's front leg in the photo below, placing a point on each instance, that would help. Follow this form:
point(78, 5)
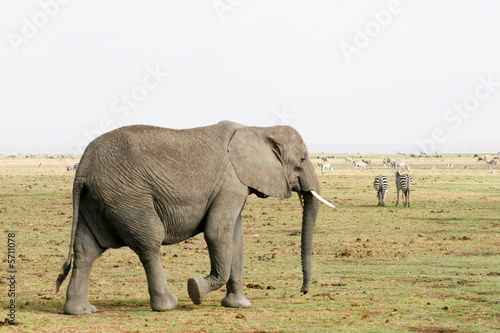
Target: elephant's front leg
point(219, 233)
point(235, 297)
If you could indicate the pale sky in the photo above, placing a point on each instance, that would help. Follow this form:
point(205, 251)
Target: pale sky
point(423, 75)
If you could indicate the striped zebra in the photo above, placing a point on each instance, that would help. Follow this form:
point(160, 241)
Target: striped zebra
point(368, 163)
point(360, 164)
point(404, 183)
point(325, 165)
point(400, 164)
point(380, 184)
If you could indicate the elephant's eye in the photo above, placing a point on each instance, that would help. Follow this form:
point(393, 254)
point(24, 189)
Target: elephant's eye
point(302, 160)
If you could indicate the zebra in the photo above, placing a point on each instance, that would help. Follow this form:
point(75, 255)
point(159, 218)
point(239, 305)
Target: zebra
point(359, 164)
point(400, 164)
point(367, 162)
point(326, 165)
point(380, 184)
point(404, 183)
point(348, 159)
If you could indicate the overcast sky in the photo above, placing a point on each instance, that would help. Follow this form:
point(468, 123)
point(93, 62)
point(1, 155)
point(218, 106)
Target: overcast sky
point(424, 75)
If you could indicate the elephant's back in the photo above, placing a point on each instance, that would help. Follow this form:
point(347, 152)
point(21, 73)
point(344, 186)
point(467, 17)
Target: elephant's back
point(149, 158)
point(158, 141)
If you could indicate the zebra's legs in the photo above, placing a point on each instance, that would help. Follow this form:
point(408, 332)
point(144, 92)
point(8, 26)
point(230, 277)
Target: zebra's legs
point(397, 201)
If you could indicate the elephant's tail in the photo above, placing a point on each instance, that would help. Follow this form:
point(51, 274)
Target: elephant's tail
point(77, 191)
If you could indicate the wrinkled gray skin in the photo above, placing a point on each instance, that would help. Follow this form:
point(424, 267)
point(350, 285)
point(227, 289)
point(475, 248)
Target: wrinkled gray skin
point(144, 186)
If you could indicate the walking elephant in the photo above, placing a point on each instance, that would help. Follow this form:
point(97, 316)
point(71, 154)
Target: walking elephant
point(143, 187)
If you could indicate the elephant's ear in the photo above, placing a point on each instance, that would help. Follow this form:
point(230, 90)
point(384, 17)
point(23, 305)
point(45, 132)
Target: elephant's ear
point(256, 157)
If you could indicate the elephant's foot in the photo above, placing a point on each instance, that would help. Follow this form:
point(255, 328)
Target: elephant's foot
point(79, 308)
point(164, 302)
point(234, 301)
point(198, 289)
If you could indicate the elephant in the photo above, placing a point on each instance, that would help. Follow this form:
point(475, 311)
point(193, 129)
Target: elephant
point(144, 186)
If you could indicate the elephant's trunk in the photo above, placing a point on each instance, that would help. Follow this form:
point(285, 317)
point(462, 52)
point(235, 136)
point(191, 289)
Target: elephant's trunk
point(308, 221)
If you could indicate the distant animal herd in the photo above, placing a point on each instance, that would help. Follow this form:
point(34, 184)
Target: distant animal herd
point(404, 182)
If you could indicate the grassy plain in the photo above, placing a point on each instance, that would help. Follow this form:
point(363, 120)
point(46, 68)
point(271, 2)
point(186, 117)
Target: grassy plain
point(434, 267)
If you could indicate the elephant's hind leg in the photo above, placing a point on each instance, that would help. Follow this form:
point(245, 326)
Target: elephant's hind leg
point(161, 299)
point(144, 232)
point(86, 251)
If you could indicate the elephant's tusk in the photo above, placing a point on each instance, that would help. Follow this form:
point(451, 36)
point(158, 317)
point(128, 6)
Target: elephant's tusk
point(300, 199)
point(321, 199)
